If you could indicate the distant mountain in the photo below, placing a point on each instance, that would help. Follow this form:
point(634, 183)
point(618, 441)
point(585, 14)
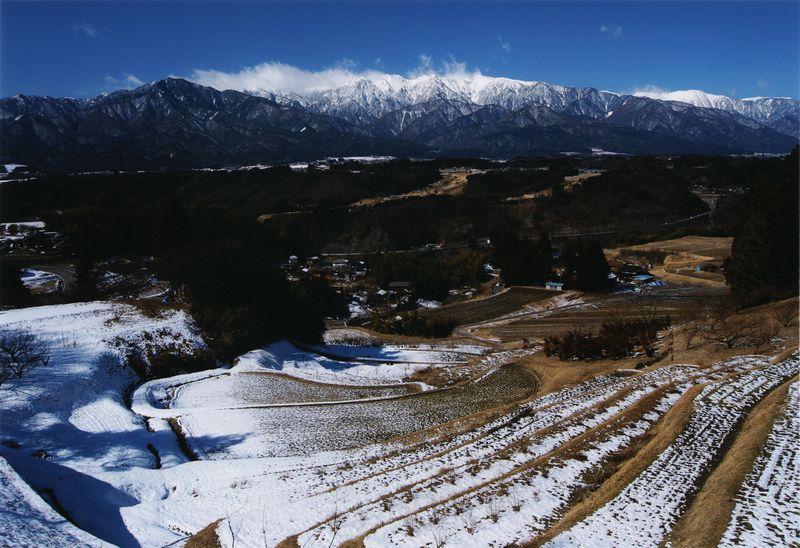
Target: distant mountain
point(174, 123)
point(779, 113)
point(363, 100)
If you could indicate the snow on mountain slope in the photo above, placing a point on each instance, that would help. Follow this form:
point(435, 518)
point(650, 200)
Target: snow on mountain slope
point(761, 109)
point(364, 100)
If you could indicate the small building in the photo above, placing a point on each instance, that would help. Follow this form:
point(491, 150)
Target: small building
point(321, 272)
point(554, 286)
point(403, 288)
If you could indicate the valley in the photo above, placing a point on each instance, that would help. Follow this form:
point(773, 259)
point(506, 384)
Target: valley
point(401, 353)
point(399, 274)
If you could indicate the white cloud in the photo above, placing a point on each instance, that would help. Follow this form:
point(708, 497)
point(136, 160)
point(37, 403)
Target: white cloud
point(85, 29)
point(280, 78)
point(762, 84)
point(649, 90)
point(613, 31)
point(504, 44)
point(283, 78)
point(425, 62)
point(127, 81)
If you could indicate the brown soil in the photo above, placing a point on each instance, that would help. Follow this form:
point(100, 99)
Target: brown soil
point(205, 537)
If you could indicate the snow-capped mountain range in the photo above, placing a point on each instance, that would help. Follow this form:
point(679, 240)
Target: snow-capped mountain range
point(773, 111)
point(176, 123)
point(362, 100)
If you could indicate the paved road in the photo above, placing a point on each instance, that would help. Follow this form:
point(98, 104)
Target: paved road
point(65, 271)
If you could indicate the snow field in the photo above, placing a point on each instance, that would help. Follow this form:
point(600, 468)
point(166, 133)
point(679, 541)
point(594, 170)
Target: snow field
point(74, 408)
point(354, 365)
point(28, 521)
point(74, 412)
point(767, 511)
point(645, 511)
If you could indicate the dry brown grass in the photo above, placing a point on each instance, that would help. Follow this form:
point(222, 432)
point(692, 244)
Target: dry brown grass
point(555, 374)
point(452, 183)
point(290, 542)
point(707, 517)
point(205, 537)
point(661, 436)
point(353, 543)
point(712, 247)
point(433, 376)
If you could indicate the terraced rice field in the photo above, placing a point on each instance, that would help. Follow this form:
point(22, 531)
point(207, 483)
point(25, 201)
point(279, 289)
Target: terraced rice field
point(243, 430)
point(514, 478)
point(593, 311)
point(251, 389)
point(645, 511)
point(479, 310)
point(612, 460)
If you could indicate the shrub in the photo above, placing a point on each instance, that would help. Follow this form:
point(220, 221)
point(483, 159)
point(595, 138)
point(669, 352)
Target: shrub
point(616, 340)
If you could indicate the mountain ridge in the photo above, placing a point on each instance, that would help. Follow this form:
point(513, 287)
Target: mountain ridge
point(174, 123)
point(378, 97)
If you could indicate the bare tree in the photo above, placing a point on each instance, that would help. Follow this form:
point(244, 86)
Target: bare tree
point(767, 329)
point(20, 351)
point(647, 305)
point(785, 313)
point(729, 328)
point(692, 330)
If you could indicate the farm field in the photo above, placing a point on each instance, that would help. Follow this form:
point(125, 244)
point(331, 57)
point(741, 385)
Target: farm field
point(340, 444)
point(588, 314)
point(261, 389)
point(684, 256)
point(767, 508)
point(279, 431)
point(711, 247)
point(512, 300)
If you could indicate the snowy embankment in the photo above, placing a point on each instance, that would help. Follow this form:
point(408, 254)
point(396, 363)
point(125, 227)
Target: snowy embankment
point(26, 520)
point(66, 426)
point(645, 511)
point(767, 511)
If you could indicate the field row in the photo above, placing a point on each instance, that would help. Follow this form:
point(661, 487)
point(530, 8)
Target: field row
point(645, 511)
point(523, 468)
point(767, 509)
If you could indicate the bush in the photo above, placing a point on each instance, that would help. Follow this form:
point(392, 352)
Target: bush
point(416, 325)
point(616, 340)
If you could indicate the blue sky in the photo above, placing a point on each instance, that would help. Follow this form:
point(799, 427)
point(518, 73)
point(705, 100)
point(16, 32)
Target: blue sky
point(81, 49)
